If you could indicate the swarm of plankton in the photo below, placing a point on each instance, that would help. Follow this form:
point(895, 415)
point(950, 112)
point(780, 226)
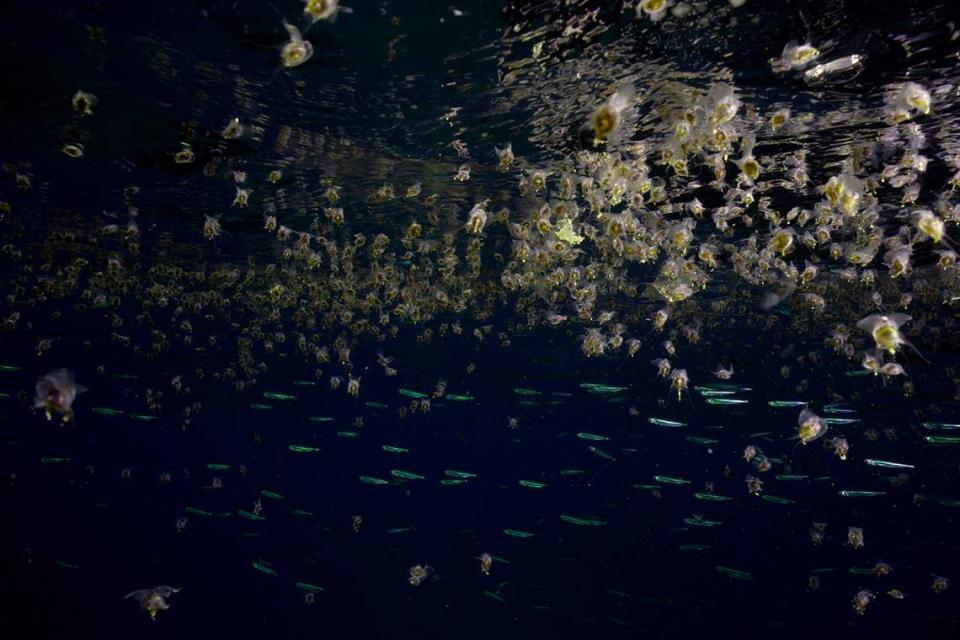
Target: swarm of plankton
point(678, 216)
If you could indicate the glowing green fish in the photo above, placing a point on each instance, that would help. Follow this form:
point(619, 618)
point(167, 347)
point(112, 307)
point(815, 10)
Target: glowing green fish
point(583, 522)
point(532, 484)
point(663, 422)
point(263, 567)
point(591, 436)
point(405, 475)
point(275, 395)
point(603, 454)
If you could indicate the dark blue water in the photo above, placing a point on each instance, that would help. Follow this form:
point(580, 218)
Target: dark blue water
point(79, 534)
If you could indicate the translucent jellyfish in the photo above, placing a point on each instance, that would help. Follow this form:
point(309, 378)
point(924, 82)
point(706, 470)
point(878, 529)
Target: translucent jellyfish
point(153, 600)
point(83, 103)
point(929, 224)
point(679, 381)
point(910, 99)
point(233, 130)
point(817, 532)
point(897, 261)
point(654, 9)
point(73, 150)
point(55, 393)
point(885, 330)
point(782, 241)
point(722, 105)
point(855, 537)
point(321, 9)
point(609, 115)
point(242, 197)
point(795, 56)
point(779, 119)
point(723, 373)
point(486, 561)
point(892, 369)
point(871, 363)
point(663, 367)
point(185, 155)
point(353, 386)
point(840, 447)
point(298, 50)
point(861, 600)
point(660, 318)
point(211, 227)
point(940, 584)
point(477, 219)
point(419, 573)
point(505, 156)
point(811, 426)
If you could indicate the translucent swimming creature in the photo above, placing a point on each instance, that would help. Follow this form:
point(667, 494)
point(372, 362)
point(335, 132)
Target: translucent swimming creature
point(840, 447)
point(55, 393)
point(486, 561)
point(211, 227)
point(910, 99)
point(862, 599)
point(653, 9)
point(505, 156)
point(242, 197)
point(897, 261)
point(885, 330)
point(83, 103)
point(297, 50)
point(855, 537)
point(871, 363)
point(233, 130)
point(795, 57)
point(317, 10)
point(477, 219)
point(679, 381)
point(185, 155)
point(74, 150)
point(940, 584)
point(929, 225)
point(419, 573)
point(609, 115)
point(892, 369)
point(817, 532)
point(723, 373)
point(153, 600)
point(353, 386)
point(810, 426)
point(663, 367)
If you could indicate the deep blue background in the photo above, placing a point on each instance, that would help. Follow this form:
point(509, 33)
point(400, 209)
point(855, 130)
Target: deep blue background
point(121, 534)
